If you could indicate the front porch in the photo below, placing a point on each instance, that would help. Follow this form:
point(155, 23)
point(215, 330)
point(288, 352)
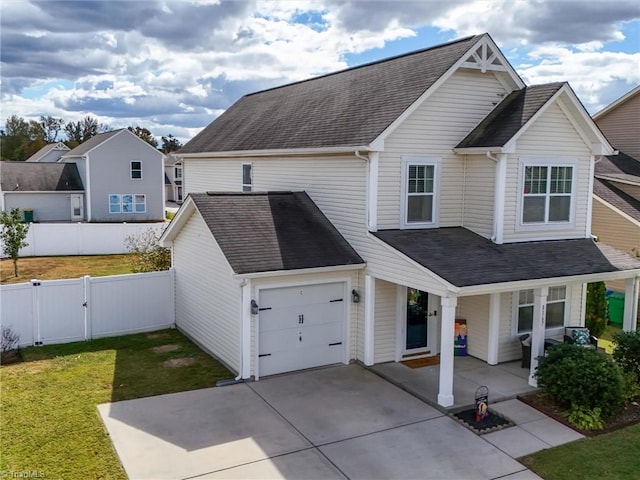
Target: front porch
point(505, 380)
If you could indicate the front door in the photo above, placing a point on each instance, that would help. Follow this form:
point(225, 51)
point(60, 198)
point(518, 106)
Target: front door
point(417, 325)
point(77, 207)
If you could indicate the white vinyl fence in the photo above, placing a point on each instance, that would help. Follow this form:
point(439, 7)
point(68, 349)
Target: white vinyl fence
point(82, 238)
point(59, 311)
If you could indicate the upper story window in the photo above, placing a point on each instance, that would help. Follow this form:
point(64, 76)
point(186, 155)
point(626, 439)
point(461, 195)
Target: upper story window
point(419, 191)
point(556, 309)
point(547, 194)
point(136, 170)
point(247, 177)
point(177, 172)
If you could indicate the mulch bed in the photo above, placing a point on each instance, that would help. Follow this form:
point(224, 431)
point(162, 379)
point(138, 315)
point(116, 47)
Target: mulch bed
point(629, 415)
point(491, 423)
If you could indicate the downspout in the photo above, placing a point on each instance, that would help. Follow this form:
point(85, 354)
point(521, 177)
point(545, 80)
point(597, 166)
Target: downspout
point(498, 197)
point(371, 203)
point(87, 186)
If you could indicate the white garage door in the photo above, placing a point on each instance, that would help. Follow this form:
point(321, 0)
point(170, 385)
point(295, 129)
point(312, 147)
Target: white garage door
point(301, 327)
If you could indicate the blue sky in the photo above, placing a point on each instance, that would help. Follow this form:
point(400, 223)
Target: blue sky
point(174, 66)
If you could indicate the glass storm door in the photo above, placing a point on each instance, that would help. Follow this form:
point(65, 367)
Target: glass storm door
point(77, 207)
point(417, 327)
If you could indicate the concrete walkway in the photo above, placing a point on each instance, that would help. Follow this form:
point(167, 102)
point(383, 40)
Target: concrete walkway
point(334, 423)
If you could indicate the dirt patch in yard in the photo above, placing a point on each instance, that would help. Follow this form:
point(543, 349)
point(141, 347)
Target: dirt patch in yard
point(153, 336)
point(629, 415)
point(179, 362)
point(166, 348)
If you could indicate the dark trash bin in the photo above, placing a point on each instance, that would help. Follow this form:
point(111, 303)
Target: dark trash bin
point(525, 341)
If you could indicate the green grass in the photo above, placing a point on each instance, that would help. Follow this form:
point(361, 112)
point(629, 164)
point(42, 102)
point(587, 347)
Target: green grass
point(611, 456)
point(49, 420)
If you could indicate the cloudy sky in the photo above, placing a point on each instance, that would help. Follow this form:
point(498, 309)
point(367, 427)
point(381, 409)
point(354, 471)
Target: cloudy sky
point(173, 66)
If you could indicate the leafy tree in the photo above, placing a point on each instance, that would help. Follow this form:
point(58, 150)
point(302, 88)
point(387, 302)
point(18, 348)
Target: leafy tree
point(596, 311)
point(82, 130)
point(146, 254)
point(51, 128)
point(16, 126)
point(145, 135)
point(170, 144)
point(13, 235)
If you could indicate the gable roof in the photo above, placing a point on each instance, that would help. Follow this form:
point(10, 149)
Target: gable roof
point(39, 177)
point(343, 109)
point(619, 101)
point(464, 258)
point(46, 149)
point(274, 231)
point(510, 116)
point(624, 202)
point(92, 143)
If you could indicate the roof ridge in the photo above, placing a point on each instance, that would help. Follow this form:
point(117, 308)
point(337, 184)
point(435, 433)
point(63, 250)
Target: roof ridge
point(368, 64)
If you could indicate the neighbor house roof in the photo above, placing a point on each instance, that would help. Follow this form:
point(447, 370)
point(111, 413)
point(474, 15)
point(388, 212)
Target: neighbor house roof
point(39, 177)
point(61, 147)
point(510, 116)
point(619, 101)
point(624, 202)
point(262, 232)
point(618, 167)
point(92, 143)
point(464, 258)
point(347, 108)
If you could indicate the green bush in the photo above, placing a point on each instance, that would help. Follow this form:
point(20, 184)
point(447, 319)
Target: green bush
point(585, 418)
point(573, 375)
point(596, 313)
point(627, 351)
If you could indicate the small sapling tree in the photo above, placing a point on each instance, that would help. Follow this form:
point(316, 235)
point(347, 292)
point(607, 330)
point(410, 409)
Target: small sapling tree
point(13, 233)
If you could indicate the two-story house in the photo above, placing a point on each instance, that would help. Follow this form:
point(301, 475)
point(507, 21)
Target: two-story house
point(616, 188)
point(173, 179)
point(357, 215)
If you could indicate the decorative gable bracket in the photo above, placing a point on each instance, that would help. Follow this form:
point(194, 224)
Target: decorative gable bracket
point(483, 58)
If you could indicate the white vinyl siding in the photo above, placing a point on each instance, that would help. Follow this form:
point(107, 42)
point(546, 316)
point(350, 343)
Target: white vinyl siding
point(385, 322)
point(479, 194)
point(208, 299)
point(445, 118)
point(475, 310)
point(552, 136)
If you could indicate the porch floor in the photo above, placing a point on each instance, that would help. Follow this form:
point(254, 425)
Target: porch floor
point(505, 381)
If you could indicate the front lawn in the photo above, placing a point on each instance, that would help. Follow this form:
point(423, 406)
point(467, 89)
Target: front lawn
point(610, 456)
point(48, 416)
point(54, 268)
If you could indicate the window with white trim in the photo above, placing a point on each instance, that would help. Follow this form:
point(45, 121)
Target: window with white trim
point(247, 177)
point(556, 309)
point(127, 203)
point(136, 170)
point(177, 172)
point(419, 187)
point(547, 194)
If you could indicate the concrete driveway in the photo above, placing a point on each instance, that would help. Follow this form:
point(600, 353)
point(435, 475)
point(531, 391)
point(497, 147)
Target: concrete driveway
point(332, 423)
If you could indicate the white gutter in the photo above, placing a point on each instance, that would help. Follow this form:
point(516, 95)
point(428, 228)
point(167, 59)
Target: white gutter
point(280, 152)
point(301, 271)
point(371, 208)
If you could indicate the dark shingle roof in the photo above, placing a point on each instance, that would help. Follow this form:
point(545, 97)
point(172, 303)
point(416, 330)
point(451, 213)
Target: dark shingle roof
point(620, 167)
point(616, 197)
point(509, 116)
point(348, 108)
point(464, 258)
point(262, 232)
point(39, 177)
point(91, 143)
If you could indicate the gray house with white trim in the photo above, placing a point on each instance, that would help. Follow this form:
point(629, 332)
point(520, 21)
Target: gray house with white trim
point(461, 193)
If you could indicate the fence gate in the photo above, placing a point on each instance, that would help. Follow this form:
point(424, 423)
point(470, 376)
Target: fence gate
point(58, 311)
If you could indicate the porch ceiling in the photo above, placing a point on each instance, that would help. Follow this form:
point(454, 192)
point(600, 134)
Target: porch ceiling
point(465, 259)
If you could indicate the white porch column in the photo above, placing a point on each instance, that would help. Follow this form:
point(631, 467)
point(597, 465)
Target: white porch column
point(538, 330)
point(369, 318)
point(629, 324)
point(245, 331)
point(494, 328)
point(447, 332)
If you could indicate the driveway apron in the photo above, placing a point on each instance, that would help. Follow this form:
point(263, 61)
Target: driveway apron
point(334, 423)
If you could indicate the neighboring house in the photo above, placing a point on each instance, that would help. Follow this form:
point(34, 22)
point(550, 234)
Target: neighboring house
point(375, 206)
point(49, 153)
point(616, 188)
point(123, 177)
point(53, 192)
point(173, 179)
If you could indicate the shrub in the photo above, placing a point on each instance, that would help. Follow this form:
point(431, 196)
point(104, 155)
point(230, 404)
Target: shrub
point(585, 418)
point(9, 339)
point(573, 375)
point(146, 254)
point(627, 351)
point(596, 311)
point(631, 386)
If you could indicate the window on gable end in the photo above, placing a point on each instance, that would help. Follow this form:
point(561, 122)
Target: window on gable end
point(419, 187)
point(247, 177)
point(547, 194)
point(136, 170)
